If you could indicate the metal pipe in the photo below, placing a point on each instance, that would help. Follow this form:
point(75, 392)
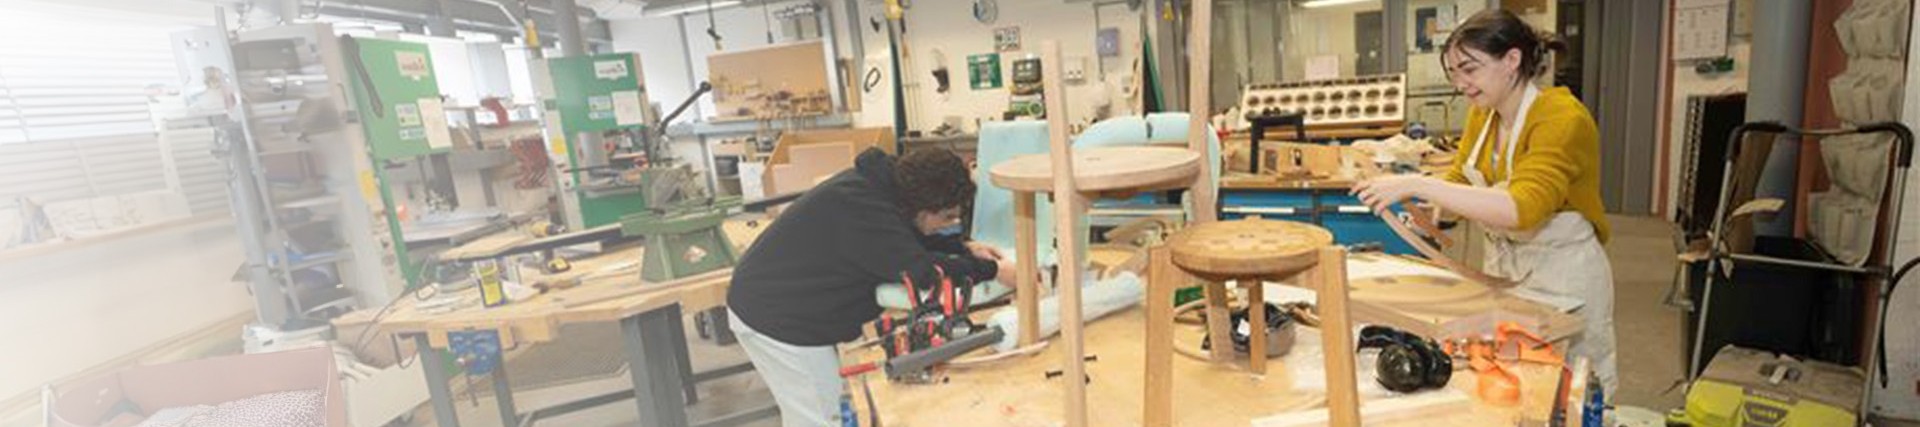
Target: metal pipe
point(697, 93)
point(498, 4)
point(440, 22)
point(567, 13)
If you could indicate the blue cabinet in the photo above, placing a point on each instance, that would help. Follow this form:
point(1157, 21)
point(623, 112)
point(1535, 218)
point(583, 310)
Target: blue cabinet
point(1350, 221)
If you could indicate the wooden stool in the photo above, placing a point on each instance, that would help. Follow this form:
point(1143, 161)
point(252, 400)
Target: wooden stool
point(1073, 178)
point(1249, 252)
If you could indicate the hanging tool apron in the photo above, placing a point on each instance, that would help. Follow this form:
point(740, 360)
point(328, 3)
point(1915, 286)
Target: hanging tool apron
point(1562, 257)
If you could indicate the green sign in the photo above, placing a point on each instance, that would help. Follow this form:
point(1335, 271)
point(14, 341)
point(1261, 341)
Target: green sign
point(398, 99)
point(599, 92)
point(983, 71)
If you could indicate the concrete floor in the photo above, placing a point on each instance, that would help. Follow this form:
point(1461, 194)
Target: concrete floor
point(1650, 351)
point(1649, 333)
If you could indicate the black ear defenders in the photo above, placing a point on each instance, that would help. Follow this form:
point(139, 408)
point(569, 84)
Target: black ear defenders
point(1407, 362)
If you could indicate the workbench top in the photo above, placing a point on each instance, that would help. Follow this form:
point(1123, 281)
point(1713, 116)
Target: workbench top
point(1019, 393)
point(609, 289)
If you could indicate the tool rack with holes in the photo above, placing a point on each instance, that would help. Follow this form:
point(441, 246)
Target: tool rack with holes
point(1336, 102)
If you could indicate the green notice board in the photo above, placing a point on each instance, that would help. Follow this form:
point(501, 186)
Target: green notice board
point(983, 71)
point(398, 99)
point(599, 92)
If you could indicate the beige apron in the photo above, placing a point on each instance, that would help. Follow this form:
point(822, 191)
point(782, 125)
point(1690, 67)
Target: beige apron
point(1561, 258)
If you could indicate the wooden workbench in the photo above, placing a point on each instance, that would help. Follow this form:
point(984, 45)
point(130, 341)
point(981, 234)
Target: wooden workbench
point(1018, 392)
point(609, 290)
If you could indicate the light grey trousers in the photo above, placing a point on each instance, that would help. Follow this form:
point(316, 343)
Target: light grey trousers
point(805, 380)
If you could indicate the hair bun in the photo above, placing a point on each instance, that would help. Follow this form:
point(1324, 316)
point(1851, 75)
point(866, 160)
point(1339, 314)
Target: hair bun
point(1550, 42)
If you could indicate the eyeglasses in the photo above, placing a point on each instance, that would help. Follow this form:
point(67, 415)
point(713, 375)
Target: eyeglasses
point(1468, 67)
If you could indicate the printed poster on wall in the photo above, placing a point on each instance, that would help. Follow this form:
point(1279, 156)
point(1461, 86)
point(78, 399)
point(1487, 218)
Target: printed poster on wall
point(1006, 39)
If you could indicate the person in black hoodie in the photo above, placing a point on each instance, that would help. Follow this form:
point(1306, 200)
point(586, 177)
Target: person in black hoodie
point(808, 283)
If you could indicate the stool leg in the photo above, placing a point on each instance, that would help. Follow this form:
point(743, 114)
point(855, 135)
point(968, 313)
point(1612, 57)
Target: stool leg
point(1336, 331)
point(1027, 289)
point(1256, 326)
point(1163, 278)
point(1218, 323)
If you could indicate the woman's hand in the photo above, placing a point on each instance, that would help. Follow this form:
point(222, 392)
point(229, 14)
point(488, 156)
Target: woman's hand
point(1382, 192)
point(984, 251)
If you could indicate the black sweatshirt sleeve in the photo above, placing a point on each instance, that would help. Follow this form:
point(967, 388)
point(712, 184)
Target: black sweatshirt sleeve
point(884, 246)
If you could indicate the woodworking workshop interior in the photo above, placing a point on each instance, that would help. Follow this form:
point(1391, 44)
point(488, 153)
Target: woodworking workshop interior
point(967, 213)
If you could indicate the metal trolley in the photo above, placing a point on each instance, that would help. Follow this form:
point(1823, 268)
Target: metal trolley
point(1720, 258)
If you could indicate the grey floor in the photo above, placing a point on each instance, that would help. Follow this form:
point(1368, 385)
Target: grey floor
point(587, 363)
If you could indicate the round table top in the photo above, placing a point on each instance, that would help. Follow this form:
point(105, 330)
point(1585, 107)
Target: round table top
point(1248, 247)
point(1102, 169)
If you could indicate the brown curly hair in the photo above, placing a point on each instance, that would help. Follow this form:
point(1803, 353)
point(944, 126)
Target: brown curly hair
point(932, 180)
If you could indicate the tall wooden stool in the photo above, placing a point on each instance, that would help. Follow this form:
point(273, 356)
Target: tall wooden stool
point(1248, 252)
point(1073, 178)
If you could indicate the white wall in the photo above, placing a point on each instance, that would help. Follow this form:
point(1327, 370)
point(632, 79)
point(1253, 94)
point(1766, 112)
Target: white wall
point(76, 308)
point(948, 26)
point(944, 25)
point(1319, 32)
point(662, 59)
point(70, 309)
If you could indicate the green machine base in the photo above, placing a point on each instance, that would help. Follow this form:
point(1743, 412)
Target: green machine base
point(681, 244)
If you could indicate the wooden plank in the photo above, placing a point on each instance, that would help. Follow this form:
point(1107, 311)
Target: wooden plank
point(1415, 407)
point(1068, 207)
point(1163, 278)
point(600, 294)
point(1439, 257)
point(1200, 109)
point(1027, 287)
point(1336, 331)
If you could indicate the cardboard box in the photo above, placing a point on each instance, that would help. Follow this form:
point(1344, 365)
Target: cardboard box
point(97, 401)
point(780, 163)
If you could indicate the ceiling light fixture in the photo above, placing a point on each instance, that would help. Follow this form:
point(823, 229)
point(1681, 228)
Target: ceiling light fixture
point(695, 8)
point(1310, 4)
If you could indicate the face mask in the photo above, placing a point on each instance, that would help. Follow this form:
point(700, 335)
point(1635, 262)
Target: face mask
point(951, 230)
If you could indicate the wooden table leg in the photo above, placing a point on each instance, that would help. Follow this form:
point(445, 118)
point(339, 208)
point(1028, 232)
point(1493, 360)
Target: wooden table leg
point(1072, 331)
point(1256, 326)
point(1163, 278)
point(1218, 324)
point(1026, 253)
point(1336, 331)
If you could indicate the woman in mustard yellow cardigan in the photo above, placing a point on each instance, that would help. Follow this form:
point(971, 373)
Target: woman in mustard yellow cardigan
point(1530, 176)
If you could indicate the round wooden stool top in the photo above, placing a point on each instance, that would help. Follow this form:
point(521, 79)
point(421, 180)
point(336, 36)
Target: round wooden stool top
point(1102, 169)
point(1248, 248)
